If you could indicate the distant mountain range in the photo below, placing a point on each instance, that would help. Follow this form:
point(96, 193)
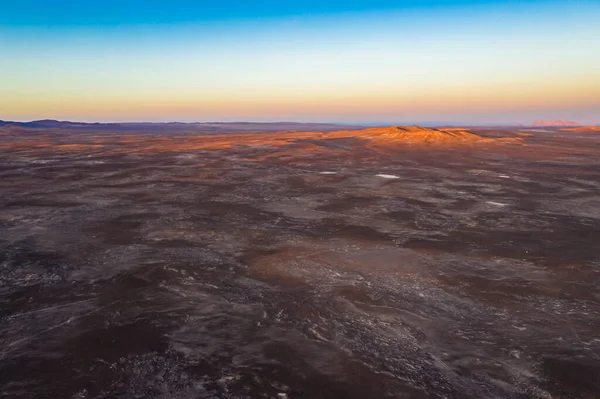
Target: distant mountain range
point(216, 127)
point(557, 122)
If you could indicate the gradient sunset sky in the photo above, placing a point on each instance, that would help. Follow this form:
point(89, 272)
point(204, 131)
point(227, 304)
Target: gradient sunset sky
point(361, 61)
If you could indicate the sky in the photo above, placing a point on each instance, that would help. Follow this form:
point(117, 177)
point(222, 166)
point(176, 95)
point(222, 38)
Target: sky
point(352, 61)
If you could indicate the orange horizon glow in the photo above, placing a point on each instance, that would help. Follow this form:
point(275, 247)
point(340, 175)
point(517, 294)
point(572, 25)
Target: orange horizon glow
point(386, 104)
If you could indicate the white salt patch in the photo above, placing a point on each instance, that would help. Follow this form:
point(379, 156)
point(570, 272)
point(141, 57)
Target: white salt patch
point(327, 173)
point(496, 203)
point(504, 176)
point(388, 176)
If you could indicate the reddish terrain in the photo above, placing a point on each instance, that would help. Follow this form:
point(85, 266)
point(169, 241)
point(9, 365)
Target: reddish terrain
point(399, 262)
point(557, 122)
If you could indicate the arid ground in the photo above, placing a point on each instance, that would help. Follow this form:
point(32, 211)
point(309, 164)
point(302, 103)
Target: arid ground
point(463, 263)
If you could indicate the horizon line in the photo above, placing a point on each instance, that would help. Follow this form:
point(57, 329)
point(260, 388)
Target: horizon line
point(366, 124)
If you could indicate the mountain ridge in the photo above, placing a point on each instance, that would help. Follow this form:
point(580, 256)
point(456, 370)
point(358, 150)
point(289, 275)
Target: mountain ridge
point(178, 126)
point(555, 122)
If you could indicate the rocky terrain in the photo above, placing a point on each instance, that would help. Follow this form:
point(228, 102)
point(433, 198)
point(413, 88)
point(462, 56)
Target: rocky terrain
point(399, 262)
point(415, 135)
point(294, 142)
point(583, 129)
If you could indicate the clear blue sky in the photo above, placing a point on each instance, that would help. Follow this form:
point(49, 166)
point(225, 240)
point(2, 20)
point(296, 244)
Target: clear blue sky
point(58, 13)
point(344, 61)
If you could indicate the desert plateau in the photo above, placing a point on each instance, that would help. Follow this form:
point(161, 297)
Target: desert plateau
point(299, 261)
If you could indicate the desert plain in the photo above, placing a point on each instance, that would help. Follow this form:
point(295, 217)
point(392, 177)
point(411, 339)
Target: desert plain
point(313, 261)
